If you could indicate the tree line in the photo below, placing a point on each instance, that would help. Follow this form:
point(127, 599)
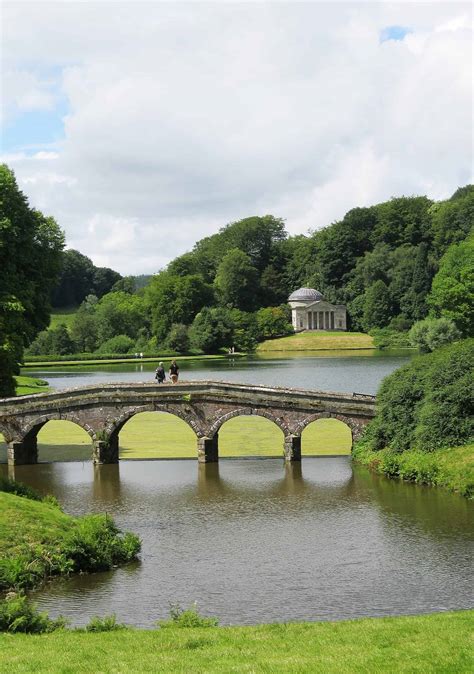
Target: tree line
point(393, 264)
point(405, 263)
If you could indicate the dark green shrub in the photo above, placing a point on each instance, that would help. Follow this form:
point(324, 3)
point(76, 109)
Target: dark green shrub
point(178, 338)
point(120, 344)
point(429, 403)
point(96, 544)
point(189, 617)
point(432, 333)
point(106, 624)
point(17, 614)
point(398, 400)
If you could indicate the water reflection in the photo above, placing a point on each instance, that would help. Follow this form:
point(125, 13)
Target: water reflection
point(257, 541)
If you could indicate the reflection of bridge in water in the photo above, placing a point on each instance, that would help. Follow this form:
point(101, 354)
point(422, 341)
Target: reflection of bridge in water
point(204, 406)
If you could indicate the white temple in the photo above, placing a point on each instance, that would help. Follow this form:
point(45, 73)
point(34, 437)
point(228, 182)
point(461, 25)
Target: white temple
point(310, 311)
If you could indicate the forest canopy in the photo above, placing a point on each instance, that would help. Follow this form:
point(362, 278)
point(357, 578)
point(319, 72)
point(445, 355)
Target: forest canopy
point(393, 264)
point(30, 258)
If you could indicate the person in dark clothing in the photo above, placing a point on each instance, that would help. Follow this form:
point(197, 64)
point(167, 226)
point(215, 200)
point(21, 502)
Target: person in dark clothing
point(174, 372)
point(160, 375)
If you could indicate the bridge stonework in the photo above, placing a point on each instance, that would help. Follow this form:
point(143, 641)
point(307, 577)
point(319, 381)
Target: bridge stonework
point(203, 405)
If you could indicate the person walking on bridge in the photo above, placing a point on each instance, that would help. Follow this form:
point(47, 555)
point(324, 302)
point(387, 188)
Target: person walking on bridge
point(174, 372)
point(160, 373)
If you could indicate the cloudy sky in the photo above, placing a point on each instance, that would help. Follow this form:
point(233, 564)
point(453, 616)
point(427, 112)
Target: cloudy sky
point(144, 126)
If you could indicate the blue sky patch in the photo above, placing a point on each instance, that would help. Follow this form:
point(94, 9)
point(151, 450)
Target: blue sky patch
point(34, 128)
point(393, 33)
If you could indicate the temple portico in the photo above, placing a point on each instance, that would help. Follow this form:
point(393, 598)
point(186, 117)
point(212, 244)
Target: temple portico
point(310, 311)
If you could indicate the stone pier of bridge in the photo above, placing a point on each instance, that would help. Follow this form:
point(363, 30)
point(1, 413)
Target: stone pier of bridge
point(205, 406)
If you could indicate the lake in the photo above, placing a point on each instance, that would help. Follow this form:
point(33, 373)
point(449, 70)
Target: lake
point(359, 371)
point(253, 540)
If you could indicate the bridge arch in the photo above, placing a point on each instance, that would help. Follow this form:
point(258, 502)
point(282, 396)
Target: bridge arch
point(31, 430)
point(326, 436)
point(356, 426)
point(5, 433)
point(248, 412)
point(114, 426)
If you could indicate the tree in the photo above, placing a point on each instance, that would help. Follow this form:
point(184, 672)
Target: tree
point(274, 321)
point(341, 244)
point(84, 326)
point(127, 284)
point(118, 344)
point(174, 299)
point(76, 280)
point(104, 279)
point(178, 338)
point(452, 292)
point(237, 281)
point(453, 219)
point(30, 258)
point(413, 301)
point(403, 220)
point(119, 313)
point(62, 344)
point(427, 404)
point(377, 306)
point(432, 333)
point(211, 329)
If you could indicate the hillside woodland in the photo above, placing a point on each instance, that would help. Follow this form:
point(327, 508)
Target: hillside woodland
point(403, 264)
point(394, 265)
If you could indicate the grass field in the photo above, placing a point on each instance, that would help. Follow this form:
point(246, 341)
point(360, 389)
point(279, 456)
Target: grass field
point(38, 540)
point(59, 316)
point(35, 524)
point(318, 341)
point(438, 643)
point(28, 385)
point(161, 435)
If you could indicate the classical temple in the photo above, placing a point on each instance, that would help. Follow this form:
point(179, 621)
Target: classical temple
point(310, 311)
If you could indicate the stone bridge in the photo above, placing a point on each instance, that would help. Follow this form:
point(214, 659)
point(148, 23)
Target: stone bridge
point(205, 405)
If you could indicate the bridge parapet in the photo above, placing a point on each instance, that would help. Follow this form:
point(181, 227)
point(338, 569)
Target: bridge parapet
point(204, 405)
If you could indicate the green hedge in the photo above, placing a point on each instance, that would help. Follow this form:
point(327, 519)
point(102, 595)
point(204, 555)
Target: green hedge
point(429, 403)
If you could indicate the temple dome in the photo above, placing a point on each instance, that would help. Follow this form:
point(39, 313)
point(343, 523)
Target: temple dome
point(305, 295)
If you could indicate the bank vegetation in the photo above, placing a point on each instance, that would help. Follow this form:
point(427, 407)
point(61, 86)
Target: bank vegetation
point(38, 540)
point(424, 427)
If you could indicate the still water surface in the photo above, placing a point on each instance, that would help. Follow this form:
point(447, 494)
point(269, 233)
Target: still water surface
point(256, 541)
point(344, 371)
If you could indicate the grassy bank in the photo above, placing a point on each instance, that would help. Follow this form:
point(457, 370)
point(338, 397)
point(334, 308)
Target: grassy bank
point(28, 385)
point(318, 341)
point(431, 643)
point(38, 540)
point(160, 435)
point(451, 468)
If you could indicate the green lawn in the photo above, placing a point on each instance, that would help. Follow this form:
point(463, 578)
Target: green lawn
point(38, 540)
point(318, 341)
point(36, 523)
point(438, 643)
point(161, 435)
point(28, 385)
point(59, 316)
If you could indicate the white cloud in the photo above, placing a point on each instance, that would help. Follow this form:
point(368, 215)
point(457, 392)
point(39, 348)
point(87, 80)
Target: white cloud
point(183, 117)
